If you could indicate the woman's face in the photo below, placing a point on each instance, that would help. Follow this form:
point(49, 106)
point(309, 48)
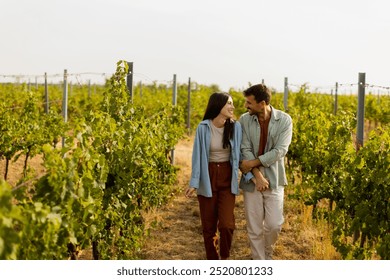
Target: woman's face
point(228, 109)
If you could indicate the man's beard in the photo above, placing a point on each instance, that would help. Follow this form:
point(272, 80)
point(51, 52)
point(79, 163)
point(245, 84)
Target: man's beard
point(251, 112)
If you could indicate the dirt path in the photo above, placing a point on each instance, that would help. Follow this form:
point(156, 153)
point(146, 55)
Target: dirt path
point(178, 235)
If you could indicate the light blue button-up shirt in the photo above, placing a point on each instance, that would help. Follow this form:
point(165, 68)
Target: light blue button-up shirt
point(200, 178)
point(278, 141)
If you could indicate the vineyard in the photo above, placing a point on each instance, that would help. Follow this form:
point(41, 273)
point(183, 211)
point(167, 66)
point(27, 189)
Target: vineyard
point(111, 163)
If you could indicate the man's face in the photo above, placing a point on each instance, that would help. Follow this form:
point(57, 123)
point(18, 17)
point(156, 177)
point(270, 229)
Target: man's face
point(252, 106)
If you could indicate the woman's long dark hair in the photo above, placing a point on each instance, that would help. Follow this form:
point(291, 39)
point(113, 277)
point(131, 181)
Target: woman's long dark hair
point(216, 102)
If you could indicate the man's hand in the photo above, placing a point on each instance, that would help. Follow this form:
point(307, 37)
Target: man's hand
point(262, 184)
point(245, 166)
point(248, 165)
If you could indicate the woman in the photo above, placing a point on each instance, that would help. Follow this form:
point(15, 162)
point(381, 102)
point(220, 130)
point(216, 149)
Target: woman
point(215, 160)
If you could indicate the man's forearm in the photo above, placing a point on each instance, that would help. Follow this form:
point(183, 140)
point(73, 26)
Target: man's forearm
point(248, 165)
point(254, 163)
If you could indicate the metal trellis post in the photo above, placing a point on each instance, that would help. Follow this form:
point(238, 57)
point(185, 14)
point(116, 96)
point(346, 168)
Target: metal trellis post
point(174, 103)
point(130, 80)
point(360, 111)
point(65, 102)
point(46, 95)
point(285, 99)
point(189, 106)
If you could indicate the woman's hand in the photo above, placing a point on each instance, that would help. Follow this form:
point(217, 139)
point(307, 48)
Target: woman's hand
point(189, 192)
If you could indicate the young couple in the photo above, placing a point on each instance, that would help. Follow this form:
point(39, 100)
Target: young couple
point(256, 145)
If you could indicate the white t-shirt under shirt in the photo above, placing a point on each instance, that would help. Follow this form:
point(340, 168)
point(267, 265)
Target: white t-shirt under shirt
point(217, 152)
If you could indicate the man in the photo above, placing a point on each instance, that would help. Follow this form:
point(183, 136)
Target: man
point(266, 137)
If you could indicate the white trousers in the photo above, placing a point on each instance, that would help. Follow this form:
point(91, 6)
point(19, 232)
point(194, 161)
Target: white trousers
point(264, 216)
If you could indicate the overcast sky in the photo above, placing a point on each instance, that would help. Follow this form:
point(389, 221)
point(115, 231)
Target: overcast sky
point(224, 42)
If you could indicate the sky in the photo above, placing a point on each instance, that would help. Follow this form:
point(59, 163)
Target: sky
point(228, 43)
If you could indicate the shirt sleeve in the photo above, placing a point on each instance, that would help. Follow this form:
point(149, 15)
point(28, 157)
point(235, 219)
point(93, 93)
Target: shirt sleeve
point(246, 147)
point(196, 151)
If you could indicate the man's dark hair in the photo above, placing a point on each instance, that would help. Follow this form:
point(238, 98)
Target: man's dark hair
point(260, 92)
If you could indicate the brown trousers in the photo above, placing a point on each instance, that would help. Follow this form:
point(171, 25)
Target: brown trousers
point(218, 212)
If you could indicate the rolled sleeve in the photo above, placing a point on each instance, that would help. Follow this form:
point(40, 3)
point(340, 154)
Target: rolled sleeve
point(281, 146)
point(246, 146)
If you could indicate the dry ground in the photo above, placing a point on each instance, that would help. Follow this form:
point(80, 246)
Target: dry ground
point(175, 230)
point(177, 233)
